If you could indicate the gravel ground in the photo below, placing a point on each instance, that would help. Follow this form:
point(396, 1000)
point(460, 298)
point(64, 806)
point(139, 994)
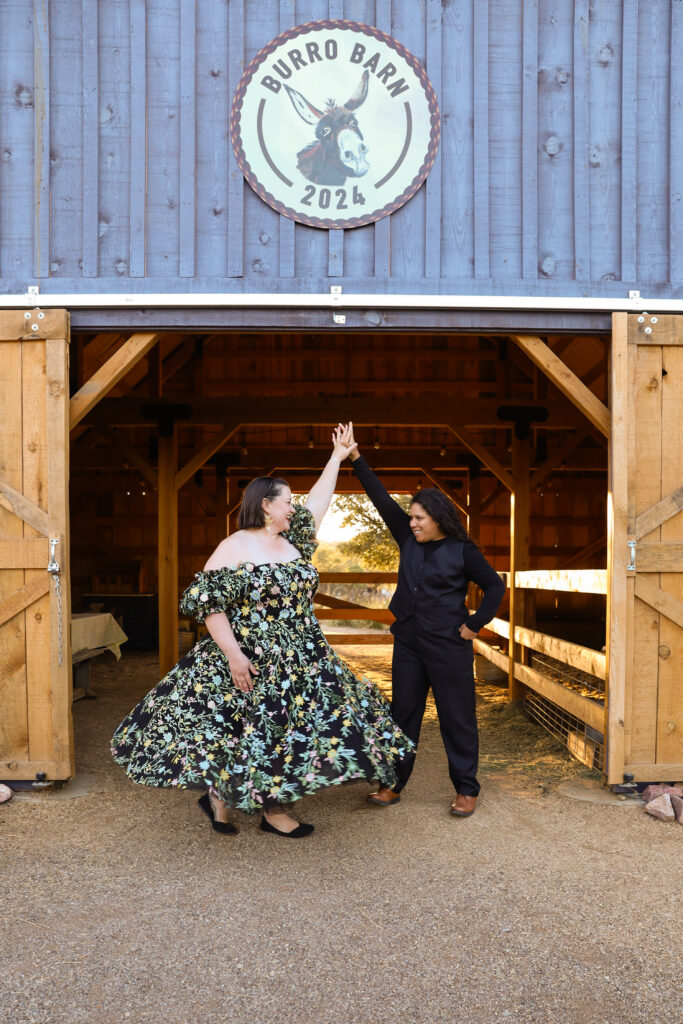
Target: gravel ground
point(122, 904)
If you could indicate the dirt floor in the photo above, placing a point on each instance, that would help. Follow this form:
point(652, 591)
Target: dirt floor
point(118, 903)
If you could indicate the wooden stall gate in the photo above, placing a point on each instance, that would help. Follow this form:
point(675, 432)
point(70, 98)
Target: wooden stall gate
point(36, 735)
point(645, 550)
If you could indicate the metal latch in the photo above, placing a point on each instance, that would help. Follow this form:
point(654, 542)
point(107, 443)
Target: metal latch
point(632, 554)
point(53, 564)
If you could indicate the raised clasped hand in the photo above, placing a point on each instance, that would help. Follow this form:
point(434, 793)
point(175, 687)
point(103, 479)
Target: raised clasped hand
point(343, 443)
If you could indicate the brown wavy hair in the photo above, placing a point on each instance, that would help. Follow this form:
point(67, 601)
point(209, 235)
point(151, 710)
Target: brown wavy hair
point(251, 516)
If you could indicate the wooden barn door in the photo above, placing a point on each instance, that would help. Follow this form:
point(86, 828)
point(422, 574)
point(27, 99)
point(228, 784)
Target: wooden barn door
point(36, 738)
point(645, 656)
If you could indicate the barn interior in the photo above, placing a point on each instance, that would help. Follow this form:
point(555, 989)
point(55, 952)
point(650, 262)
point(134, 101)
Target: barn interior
point(158, 465)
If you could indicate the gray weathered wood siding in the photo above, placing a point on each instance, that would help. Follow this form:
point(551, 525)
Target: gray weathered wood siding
point(559, 171)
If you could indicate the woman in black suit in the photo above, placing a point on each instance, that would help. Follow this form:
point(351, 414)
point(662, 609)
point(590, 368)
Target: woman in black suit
point(433, 631)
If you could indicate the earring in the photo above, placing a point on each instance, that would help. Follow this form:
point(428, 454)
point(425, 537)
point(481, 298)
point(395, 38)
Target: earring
point(267, 520)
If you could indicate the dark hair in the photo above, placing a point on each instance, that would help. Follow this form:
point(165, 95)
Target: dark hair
point(251, 515)
point(442, 510)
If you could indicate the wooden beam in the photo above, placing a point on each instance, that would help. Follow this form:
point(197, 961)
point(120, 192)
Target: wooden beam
point(359, 577)
point(565, 379)
point(234, 502)
point(439, 412)
point(591, 549)
point(583, 658)
point(648, 772)
point(168, 553)
point(520, 541)
point(204, 454)
point(362, 614)
point(366, 639)
point(492, 654)
point(474, 506)
point(660, 513)
point(221, 507)
point(498, 491)
point(23, 508)
point(20, 599)
point(658, 599)
point(29, 553)
point(104, 379)
point(441, 485)
point(130, 454)
point(659, 557)
point(575, 581)
point(483, 454)
point(334, 602)
point(558, 457)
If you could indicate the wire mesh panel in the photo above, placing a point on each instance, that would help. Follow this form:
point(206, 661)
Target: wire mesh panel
point(582, 741)
point(575, 679)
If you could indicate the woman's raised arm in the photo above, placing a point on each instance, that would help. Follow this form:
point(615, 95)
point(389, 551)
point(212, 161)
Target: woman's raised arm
point(320, 496)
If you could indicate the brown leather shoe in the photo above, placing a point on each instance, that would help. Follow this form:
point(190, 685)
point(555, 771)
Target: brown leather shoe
point(384, 797)
point(463, 805)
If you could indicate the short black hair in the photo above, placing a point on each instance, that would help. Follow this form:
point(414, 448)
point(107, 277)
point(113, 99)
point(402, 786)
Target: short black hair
point(442, 510)
point(251, 515)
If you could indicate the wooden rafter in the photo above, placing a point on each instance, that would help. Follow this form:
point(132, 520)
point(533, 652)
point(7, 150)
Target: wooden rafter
point(498, 491)
point(440, 412)
point(565, 379)
point(441, 484)
point(107, 376)
point(591, 549)
point(558, 457)
point(205, 453)
point(484, 455)
point(130, 454)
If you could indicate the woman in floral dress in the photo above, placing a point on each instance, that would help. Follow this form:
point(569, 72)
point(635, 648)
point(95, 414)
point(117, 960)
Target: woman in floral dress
point(262, 712)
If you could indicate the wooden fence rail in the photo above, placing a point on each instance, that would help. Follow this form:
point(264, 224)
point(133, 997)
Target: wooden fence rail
point(594, 581)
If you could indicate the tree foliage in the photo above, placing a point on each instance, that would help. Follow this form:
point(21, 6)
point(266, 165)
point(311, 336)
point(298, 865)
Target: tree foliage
point(372, 546)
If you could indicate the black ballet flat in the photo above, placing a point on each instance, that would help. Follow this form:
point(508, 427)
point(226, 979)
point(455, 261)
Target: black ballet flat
point(298, 833)
point(218, 826)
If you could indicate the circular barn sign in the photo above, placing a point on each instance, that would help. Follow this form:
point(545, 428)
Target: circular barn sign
point(335, 124)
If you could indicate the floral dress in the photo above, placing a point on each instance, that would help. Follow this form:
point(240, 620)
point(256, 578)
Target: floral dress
point(307, 723)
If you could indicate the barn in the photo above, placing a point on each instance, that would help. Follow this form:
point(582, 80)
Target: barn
point(194, 290)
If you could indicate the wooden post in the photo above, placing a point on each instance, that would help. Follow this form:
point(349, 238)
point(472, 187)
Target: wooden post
point(473, 522)
point(519, 550)
point(168, 548)
point(474, 503)
point(234, 497)
point(222, 484)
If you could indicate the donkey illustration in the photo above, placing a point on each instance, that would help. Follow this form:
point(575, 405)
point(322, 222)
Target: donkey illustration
point(339, 151)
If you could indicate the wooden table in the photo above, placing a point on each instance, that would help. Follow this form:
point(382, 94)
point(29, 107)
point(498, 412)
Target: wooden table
point(92, 633)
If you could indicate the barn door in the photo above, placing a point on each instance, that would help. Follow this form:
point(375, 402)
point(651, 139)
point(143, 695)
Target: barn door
point(35, 656)
point(645, 697)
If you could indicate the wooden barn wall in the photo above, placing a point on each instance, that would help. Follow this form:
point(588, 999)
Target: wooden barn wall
point(557, 173)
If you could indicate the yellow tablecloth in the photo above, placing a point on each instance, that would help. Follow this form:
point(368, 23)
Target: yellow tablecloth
point(92, 630)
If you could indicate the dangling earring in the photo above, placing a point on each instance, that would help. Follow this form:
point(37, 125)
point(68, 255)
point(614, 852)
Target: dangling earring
point(267, 520)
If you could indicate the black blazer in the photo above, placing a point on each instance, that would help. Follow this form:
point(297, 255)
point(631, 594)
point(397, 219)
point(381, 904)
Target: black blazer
point(430, 595)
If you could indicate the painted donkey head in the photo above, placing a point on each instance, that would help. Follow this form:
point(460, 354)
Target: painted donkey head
point(339, 151)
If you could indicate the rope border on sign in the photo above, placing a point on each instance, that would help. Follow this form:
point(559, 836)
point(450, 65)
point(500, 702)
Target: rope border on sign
point(277, 204)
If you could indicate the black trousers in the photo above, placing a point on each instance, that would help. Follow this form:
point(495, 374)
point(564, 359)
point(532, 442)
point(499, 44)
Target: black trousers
point(422, 661)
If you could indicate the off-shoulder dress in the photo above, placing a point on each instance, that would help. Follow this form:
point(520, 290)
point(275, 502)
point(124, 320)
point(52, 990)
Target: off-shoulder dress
point(308, 722)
